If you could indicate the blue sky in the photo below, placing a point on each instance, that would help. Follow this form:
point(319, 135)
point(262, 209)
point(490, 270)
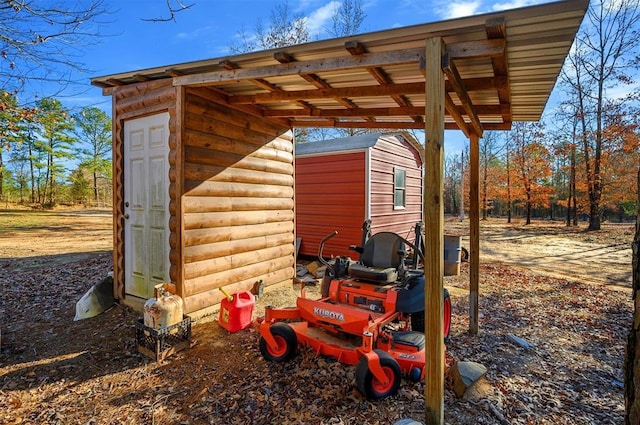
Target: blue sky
point(209, 27)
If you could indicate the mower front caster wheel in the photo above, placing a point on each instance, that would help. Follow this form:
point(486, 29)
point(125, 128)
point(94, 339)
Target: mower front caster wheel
point(372, 387)
point(286, 341)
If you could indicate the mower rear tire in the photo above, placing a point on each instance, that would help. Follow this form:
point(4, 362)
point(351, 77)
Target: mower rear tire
point(417, 319)
point(446, 310)
point(372, 387)
point(464, 255)
point(286, 339)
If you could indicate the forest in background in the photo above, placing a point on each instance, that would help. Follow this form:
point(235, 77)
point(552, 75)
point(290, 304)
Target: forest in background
point(580, 161)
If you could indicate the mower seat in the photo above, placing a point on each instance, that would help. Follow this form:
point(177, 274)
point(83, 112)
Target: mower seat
point(381, 257)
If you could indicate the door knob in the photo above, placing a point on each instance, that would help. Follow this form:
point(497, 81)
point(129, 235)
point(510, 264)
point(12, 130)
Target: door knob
point(126, 216)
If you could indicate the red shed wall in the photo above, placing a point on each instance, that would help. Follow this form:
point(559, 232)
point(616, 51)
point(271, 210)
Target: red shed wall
point(330, 195)
point(388, 153)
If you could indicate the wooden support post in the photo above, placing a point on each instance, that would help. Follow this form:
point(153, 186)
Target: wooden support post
point(434, 234)
point(474, 225)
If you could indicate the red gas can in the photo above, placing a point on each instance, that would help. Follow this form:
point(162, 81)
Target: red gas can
point(236, 311)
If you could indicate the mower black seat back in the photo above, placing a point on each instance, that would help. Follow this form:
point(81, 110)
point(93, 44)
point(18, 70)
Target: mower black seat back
point(382, 255)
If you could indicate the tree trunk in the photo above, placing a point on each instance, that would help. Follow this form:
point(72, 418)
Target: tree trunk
point(484, 193)
point(1, 174)
point(594, 215)
point(573, 184)
point(508, 189)
point(632, 353)
point(32, 173)
point(528, 206)
point(95, 186)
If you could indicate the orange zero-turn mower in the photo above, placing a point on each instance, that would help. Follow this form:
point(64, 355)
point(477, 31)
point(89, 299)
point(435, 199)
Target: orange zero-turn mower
point(370, 314)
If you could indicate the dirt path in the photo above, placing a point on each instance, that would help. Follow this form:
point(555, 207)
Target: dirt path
point(563, 257)
point(551, 249)
point(33, 238)
point(57, 371)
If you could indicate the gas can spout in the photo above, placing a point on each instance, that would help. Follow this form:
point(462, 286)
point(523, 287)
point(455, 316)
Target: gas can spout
point(226, 294)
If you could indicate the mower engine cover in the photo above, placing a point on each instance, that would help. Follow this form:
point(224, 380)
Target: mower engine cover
point(411, 293)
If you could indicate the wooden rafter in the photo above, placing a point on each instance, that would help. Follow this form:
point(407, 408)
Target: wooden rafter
point(451, 107)
point(454, 78)
point(262, 83)
point(283, 57)
point(496, 30)
point(306, 67)
point(361, 91)
point(218, 96)
point(357, 49)
point(297, 105)
point(396, 125)
point(388, 112)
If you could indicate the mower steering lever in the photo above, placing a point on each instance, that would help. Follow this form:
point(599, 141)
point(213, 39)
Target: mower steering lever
point(321, 247)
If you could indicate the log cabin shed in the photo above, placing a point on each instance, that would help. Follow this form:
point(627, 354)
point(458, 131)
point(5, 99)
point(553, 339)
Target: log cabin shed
point(204, 158)
point(342, 182)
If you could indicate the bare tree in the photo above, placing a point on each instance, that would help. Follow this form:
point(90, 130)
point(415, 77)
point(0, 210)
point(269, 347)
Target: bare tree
point(347, 18)
point(284, 29)
point(487, 155)
point(41, 41)
point(531, 158)
point(603, 56)
point(173, 9)
point(451, 182)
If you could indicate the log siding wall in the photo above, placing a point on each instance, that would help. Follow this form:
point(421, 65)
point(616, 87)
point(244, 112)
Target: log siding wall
point(238, 208)
point(230, 187)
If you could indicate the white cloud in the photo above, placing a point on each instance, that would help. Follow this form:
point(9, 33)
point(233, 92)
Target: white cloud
point(195, 34)
point(458, 9)
point(318, 19)
point(515, 4)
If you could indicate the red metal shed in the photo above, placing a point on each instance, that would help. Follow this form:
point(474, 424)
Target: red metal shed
point(342, 182)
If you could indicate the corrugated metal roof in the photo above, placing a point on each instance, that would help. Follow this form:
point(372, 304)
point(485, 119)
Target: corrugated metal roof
point(352, 144)
point(507, 63)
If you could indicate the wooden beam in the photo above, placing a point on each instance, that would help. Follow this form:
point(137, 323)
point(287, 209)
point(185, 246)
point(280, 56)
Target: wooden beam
point(380, 112)
point(473, 84)
point(362, 91)
point(215, 95)
point(455, 113)
point(356, 48)
point(396, 57)
point(472, 49)
point(433, 205)
point(359, 112)
point(496, 29)
point(264, 84)
point(284, 57)
point(395, 125)
point(173, 72)
point(477, 49)
point(453, 76)
point(474, 239)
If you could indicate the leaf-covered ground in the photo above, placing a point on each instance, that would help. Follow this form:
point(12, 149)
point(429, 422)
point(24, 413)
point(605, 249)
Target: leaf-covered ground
point(56, 371)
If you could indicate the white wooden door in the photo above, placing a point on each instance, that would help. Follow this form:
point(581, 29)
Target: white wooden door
point(146, 204)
